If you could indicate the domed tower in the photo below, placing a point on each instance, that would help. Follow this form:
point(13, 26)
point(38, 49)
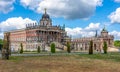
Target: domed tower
point(104, 32)
point(45, 21)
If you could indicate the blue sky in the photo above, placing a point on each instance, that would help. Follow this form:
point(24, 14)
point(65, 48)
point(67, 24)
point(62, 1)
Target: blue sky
point(81, 17)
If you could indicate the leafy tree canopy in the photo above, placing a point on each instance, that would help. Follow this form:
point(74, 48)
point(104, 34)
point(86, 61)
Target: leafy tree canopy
point(117, 43)
point(1, 41)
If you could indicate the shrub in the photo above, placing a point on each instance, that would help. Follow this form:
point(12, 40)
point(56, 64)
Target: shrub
point(38, 49)
point(21, 50)
point(52, 48)
point(91, 47)
point(105, 48)
point(68, 47)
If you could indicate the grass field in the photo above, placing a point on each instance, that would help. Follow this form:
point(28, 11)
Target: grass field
point(63, 63)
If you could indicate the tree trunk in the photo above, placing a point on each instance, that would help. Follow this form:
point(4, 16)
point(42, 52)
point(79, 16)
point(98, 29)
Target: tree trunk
point(5, 54)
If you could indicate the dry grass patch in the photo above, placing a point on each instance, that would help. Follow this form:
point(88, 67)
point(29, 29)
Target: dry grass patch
point(68, 63)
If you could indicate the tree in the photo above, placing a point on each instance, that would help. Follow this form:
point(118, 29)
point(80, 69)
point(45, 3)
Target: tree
point(21, 46)
point(5, 49)
point(68, 47)
point(38, 49)
point(1, 41)
point(52, 48)
point(1, 44)
point(117, 43)
point(105, 47)
point(91, 47)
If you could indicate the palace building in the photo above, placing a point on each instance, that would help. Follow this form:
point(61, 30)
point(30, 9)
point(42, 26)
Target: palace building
point(38, 34)
point(44, 33)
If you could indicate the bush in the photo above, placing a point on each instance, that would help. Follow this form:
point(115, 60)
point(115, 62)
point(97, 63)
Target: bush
point(91, 47)
point(21, 50)
point(52, 48)
point(68, 47)
point(105, 48)
point(38, 49)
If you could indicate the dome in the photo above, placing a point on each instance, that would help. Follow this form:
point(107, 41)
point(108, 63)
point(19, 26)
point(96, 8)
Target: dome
point(45, 16)
point(104, 30)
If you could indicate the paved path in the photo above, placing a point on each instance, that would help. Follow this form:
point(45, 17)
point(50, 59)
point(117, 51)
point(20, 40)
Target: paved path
point(50, 54)
point(47, 54)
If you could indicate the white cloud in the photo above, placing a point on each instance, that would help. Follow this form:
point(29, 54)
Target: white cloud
point(31, 4)
point(93, 26)
point(116, 34)
point(14, 23)
point(71, 9)
point(73, 31)
point(117, 1)
point(115, 16)
point(88, 31)
point(6, 6)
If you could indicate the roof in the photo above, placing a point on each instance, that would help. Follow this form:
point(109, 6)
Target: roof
point(104, 30)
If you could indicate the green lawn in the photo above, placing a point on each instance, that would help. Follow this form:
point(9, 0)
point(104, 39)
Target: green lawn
point(63, 63)
point(110, 56)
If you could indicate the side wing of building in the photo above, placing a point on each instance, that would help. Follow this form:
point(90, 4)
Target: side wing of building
point(16, 38)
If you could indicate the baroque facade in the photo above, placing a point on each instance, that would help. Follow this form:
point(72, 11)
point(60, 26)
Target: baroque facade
point(44, 33)
point(82, 44)
point(38, 34)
